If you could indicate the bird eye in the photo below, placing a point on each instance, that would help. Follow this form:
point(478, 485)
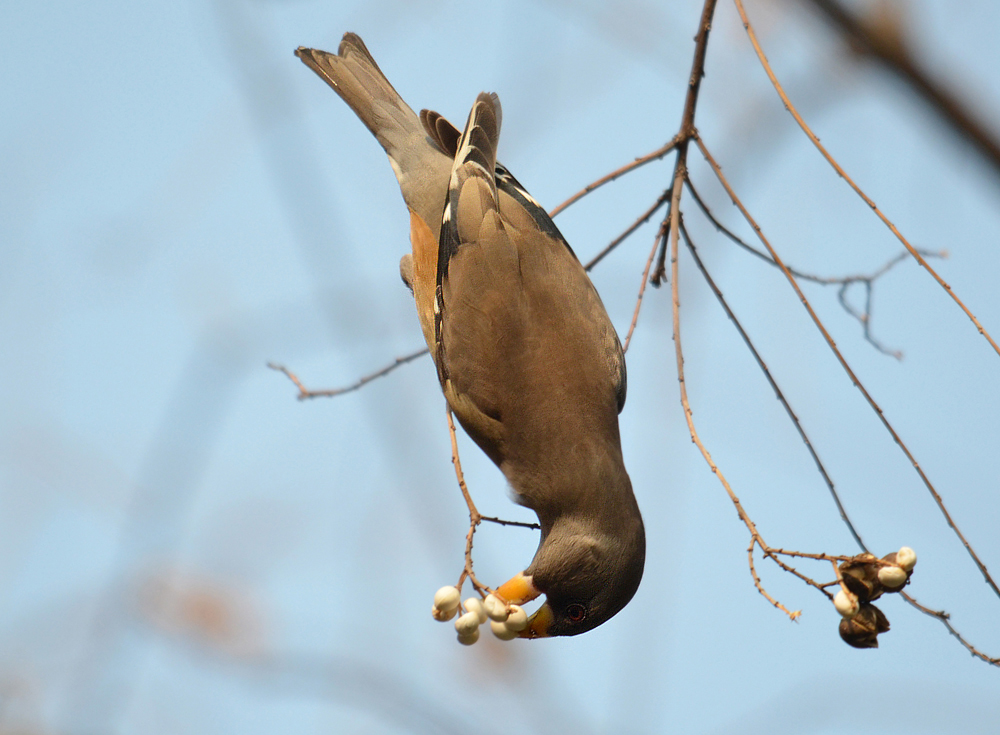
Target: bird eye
point(576, 612)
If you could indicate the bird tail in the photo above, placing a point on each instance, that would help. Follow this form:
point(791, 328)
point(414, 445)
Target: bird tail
point(475, 166)
point(354, 75)
point(472, 212)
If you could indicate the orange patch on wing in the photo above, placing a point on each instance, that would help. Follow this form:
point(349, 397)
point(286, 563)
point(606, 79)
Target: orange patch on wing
point(425, 260)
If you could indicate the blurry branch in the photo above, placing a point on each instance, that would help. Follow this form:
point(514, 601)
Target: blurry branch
point(183, 604)
point(843, 174)
point(883, 39)
point(381, 692)
point(845, 282)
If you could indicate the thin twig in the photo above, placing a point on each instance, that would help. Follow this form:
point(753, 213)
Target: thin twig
point(760, 587)
point(771, 554)
point(845, 282)
point(618, 172)
point(843, 362)
point(816, 557)
point(945, 618)
point(519, 524)
point(843, 174)
point(774, 386)
point(642, 284)
point(305, 393)
point(474, 515)
point(643, 219)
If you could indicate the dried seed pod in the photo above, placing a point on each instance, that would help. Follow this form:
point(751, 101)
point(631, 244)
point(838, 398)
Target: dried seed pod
point(863, 629)
point(860, 576)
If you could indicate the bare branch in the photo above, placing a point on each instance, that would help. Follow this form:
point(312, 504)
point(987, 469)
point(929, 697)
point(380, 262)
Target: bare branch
point(474, 516)
point(945, 619)
point(519, 524)
point(642, 283)
point(618, 172)
point(792, 615)
point(305, 393)
point(643, 219)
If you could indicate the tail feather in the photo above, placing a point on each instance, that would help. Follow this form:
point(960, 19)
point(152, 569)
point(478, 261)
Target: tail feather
point(478, 145)
point(472, 203)
point(354, 75)
point(420, 166)
point(443, 133)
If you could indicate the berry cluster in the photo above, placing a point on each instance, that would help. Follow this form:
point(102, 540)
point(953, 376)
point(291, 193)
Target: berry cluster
point(506, 620)
point(864, 579)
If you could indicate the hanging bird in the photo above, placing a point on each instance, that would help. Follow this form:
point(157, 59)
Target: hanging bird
point(525, 352)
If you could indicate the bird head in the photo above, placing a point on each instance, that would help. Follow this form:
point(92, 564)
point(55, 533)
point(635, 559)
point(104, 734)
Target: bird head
point(586, 578)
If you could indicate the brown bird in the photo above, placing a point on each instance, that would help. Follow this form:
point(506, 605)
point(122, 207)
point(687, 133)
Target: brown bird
point(526, 354)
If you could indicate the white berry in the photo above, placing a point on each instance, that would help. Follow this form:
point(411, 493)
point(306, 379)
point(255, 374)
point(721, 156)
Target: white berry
point(906, 558)
point(469, 638)
point(443, 615)
point(892, 577)
point(447, 598)
point(474, 604)
point(467, 623)
point(517, 620)
point(846, 603)
point(501, 631)
point(495, 609)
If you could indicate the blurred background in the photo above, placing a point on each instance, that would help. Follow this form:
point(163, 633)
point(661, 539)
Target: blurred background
point(184, 547)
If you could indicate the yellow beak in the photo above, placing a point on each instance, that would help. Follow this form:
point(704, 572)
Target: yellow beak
point(518, 590)
point(539, 623)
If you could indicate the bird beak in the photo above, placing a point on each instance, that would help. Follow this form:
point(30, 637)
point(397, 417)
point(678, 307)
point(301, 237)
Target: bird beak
point(518, 590)
point(539, 623)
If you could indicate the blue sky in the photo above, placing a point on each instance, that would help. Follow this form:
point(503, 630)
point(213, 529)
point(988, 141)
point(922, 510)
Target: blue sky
point(184, 547)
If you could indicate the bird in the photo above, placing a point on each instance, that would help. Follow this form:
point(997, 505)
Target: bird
point(526, 354)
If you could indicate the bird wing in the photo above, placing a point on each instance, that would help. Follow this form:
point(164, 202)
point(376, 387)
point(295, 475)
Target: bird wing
point(524, 346)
